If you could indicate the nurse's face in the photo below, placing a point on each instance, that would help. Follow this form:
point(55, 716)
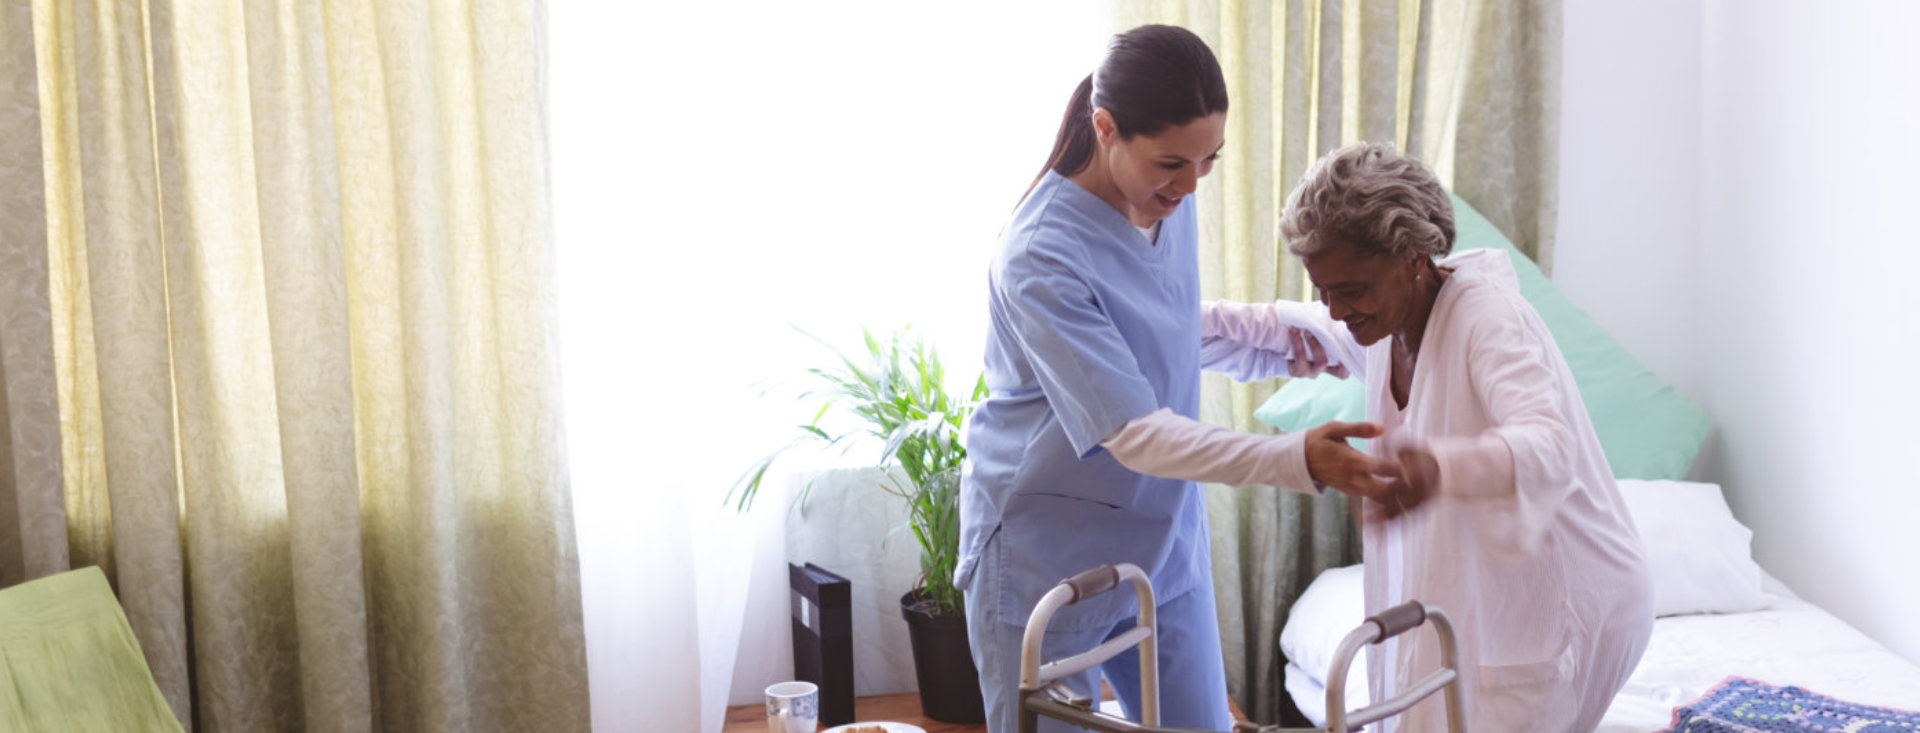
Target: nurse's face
point(1152, 173)
point(1371, 293)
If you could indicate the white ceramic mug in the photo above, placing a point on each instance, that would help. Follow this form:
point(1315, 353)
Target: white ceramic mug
point(793, 707)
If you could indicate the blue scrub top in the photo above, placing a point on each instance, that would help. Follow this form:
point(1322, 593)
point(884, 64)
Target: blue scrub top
point(1091, 326)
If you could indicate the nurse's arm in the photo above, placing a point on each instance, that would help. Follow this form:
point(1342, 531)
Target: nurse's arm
point(1254, 341)
point(1167, 444)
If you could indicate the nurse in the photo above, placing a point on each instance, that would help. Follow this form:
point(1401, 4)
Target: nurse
point(1086, 450)
point(1507, 516)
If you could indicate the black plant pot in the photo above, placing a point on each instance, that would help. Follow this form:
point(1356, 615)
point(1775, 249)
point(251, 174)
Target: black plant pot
point(943, 662)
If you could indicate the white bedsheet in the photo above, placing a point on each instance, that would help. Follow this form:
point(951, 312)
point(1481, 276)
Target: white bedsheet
point(1791, 642)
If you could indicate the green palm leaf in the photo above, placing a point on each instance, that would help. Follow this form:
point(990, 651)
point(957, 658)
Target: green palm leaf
point(898, 391)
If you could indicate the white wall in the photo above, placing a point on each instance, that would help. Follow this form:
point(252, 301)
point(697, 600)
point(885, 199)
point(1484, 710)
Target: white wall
point(1811, 262)
point(1630, 176)
point(1737, 195)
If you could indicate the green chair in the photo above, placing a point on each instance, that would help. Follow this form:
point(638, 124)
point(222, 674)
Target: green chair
point(69, 662)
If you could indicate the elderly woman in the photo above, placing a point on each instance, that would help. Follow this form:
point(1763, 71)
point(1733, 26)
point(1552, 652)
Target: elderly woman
point(1503, 510)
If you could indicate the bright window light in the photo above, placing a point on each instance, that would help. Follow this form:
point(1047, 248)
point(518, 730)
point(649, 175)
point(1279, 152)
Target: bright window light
point(724, 173)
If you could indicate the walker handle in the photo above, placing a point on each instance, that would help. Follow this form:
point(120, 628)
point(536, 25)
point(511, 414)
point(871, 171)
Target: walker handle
point(1092, 582)
point(1035, 676)
point(1399, 619)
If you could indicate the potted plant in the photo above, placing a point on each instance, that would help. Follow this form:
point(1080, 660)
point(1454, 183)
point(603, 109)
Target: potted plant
point(898, 392)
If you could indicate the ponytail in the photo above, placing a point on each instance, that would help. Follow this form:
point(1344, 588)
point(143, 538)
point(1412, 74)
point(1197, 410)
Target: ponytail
point(1073, 146)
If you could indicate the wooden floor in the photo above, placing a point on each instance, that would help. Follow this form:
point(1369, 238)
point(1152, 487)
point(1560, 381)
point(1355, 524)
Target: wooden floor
point(902, 708)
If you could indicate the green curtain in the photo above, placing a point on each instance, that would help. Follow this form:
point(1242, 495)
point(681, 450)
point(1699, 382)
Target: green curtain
point(1471, 87)
point(277, 351)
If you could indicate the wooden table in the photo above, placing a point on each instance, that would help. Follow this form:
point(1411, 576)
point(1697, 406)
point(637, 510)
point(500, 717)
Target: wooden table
point(901, 708)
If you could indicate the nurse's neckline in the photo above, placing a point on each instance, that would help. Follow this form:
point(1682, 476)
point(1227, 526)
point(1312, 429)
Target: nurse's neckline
point(1109, 208)
point(1151, 232)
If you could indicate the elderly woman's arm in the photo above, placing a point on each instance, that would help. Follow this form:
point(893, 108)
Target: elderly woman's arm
point(1254, 341)
point(1522, 466)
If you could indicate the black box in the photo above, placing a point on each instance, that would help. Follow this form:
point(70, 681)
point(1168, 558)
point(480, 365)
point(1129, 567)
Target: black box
point(823, 638)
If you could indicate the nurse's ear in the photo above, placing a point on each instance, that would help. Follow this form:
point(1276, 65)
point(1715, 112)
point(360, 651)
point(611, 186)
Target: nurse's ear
point(1104, 128)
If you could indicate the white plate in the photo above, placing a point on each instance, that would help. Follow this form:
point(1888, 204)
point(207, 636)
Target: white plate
point(890, 726)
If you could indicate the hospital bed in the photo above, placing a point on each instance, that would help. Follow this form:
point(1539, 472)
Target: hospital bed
point(1044, 693)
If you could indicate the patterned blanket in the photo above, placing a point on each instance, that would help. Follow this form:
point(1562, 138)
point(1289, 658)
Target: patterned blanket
point(1740, 705)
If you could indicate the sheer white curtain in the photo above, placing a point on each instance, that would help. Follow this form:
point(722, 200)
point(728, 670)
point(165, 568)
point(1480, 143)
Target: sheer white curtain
point(723, 170)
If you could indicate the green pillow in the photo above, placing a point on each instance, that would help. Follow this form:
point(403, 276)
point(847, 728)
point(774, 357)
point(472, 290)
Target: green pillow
point(1647, 430)
point(1308, 402)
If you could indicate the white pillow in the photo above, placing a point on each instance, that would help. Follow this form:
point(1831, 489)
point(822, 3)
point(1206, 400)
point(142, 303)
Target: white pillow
point(1310, 696)
point(1701, 557)
point(1333, 605)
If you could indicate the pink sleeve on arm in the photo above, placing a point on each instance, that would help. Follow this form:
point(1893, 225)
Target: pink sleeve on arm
point(1522, 463)
point(1479, 466)
point(1169, 445)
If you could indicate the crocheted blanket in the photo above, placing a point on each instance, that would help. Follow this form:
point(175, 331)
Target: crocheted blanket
point(1740, 705)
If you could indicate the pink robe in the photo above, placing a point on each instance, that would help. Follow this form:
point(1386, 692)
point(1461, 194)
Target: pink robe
point(1528, 548)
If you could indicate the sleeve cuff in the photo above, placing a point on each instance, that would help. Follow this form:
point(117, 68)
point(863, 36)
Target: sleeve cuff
point(1293, 465)
point(1477, 467)
point(1209, 318)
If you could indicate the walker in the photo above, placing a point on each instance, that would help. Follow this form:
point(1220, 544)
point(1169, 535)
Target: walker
point(1043, 694)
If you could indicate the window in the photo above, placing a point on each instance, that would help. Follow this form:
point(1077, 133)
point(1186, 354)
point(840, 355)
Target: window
point(721, 172)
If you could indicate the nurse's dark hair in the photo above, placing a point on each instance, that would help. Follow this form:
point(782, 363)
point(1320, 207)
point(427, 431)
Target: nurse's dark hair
point(1153, 77)
point(1368, 197)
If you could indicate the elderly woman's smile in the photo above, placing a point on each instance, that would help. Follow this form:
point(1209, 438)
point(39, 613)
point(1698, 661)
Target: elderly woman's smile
point(1371, 293)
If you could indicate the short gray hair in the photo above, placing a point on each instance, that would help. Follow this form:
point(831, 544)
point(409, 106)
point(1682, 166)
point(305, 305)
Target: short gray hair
point(1373, 198)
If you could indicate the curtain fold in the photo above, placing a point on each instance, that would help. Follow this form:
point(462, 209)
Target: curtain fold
point(279, 354)
point(33, 540)
point(1468, 86)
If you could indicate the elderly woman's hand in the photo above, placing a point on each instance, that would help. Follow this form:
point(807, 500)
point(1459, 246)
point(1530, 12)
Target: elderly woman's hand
point(1333, 462)
point(1418, 481)
point(1309, 356)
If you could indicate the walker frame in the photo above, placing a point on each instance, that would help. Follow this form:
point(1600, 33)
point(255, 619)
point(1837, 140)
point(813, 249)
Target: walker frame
point(1043, 693)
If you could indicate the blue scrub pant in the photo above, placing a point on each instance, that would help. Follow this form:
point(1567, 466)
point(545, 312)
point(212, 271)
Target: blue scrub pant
point(1193, 678)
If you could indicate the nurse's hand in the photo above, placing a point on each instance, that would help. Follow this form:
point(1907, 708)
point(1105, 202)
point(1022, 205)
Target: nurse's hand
point(1334, 462)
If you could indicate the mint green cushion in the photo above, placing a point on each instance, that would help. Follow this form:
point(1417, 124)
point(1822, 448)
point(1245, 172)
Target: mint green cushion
point(1305, 403)
point(69, 660)
point(1647, 430)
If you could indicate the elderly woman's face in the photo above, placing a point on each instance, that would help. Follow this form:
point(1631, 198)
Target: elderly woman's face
point(1372, 294)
